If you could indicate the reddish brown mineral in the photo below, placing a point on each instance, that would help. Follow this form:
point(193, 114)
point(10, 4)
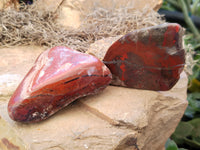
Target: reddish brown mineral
point(151, 58)
point(58, 77)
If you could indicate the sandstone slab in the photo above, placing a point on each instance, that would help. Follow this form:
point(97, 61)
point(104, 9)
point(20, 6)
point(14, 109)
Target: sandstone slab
point(53, 5)
point(100, 47)
point(110, 120)
point(71, 11)
point(9, 4)
point(48, 5)
point(118, 118)
point(15, 63)
point(8, 138)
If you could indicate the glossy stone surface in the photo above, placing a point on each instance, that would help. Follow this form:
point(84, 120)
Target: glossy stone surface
point(58, 77)
point(151, 58)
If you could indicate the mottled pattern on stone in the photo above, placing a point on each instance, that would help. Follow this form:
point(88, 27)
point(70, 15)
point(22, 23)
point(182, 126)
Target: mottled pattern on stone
point(151, 58)
point(58, 77)
point(8, 137)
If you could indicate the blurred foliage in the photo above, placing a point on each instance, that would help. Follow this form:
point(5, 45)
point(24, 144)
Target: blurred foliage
point(173, 5)
point(193, 109)
point(171, 145)
point(196, 7)
point(187, 133)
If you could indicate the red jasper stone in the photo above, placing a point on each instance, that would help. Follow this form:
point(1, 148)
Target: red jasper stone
point(58, 77)
point(151, 58)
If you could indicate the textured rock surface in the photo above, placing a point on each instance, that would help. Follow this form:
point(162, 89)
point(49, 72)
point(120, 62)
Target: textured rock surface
point(100, 47)
point(70, 11)
point(58, 77)
point(150, 58)
point(8, 4)
point(8, 138)
point(48, 5)
point(11, 62)
point(118, 118)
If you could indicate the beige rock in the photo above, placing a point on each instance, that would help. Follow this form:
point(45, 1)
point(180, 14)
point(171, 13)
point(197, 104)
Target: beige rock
point(110, 4)
point(15, 62)
point(7, 4)
point(118, 118)
point(70, 11)
point(100, 47)
point(88, 5)
point(8, 138)
point(48, 5)
point(69, 17)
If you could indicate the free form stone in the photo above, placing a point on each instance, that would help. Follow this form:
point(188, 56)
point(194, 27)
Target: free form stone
point(118, 118)
point(58, 77)
point(151, 58)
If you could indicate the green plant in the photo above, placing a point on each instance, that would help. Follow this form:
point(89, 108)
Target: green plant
point(188, 7)
point(171, 145)
point(187, 134)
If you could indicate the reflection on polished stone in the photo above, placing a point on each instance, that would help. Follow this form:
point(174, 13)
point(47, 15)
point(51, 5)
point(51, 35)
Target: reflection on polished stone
point(58, 77)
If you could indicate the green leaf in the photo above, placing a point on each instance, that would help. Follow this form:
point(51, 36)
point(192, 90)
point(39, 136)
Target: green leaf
point(195, 105)
point(170, 145)
point(183, 130)
point(196, 131)
point(196, 8)
point(194, 102)
point(168, 6)
point(192, 143)
point(190, 112)
point(195, 95)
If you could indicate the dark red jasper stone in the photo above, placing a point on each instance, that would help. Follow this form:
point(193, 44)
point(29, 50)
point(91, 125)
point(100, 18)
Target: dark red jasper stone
point(151, 58)
point(58, 77)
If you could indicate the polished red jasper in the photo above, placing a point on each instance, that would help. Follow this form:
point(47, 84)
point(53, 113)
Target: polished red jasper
point(151, 58)
point(59, 76)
